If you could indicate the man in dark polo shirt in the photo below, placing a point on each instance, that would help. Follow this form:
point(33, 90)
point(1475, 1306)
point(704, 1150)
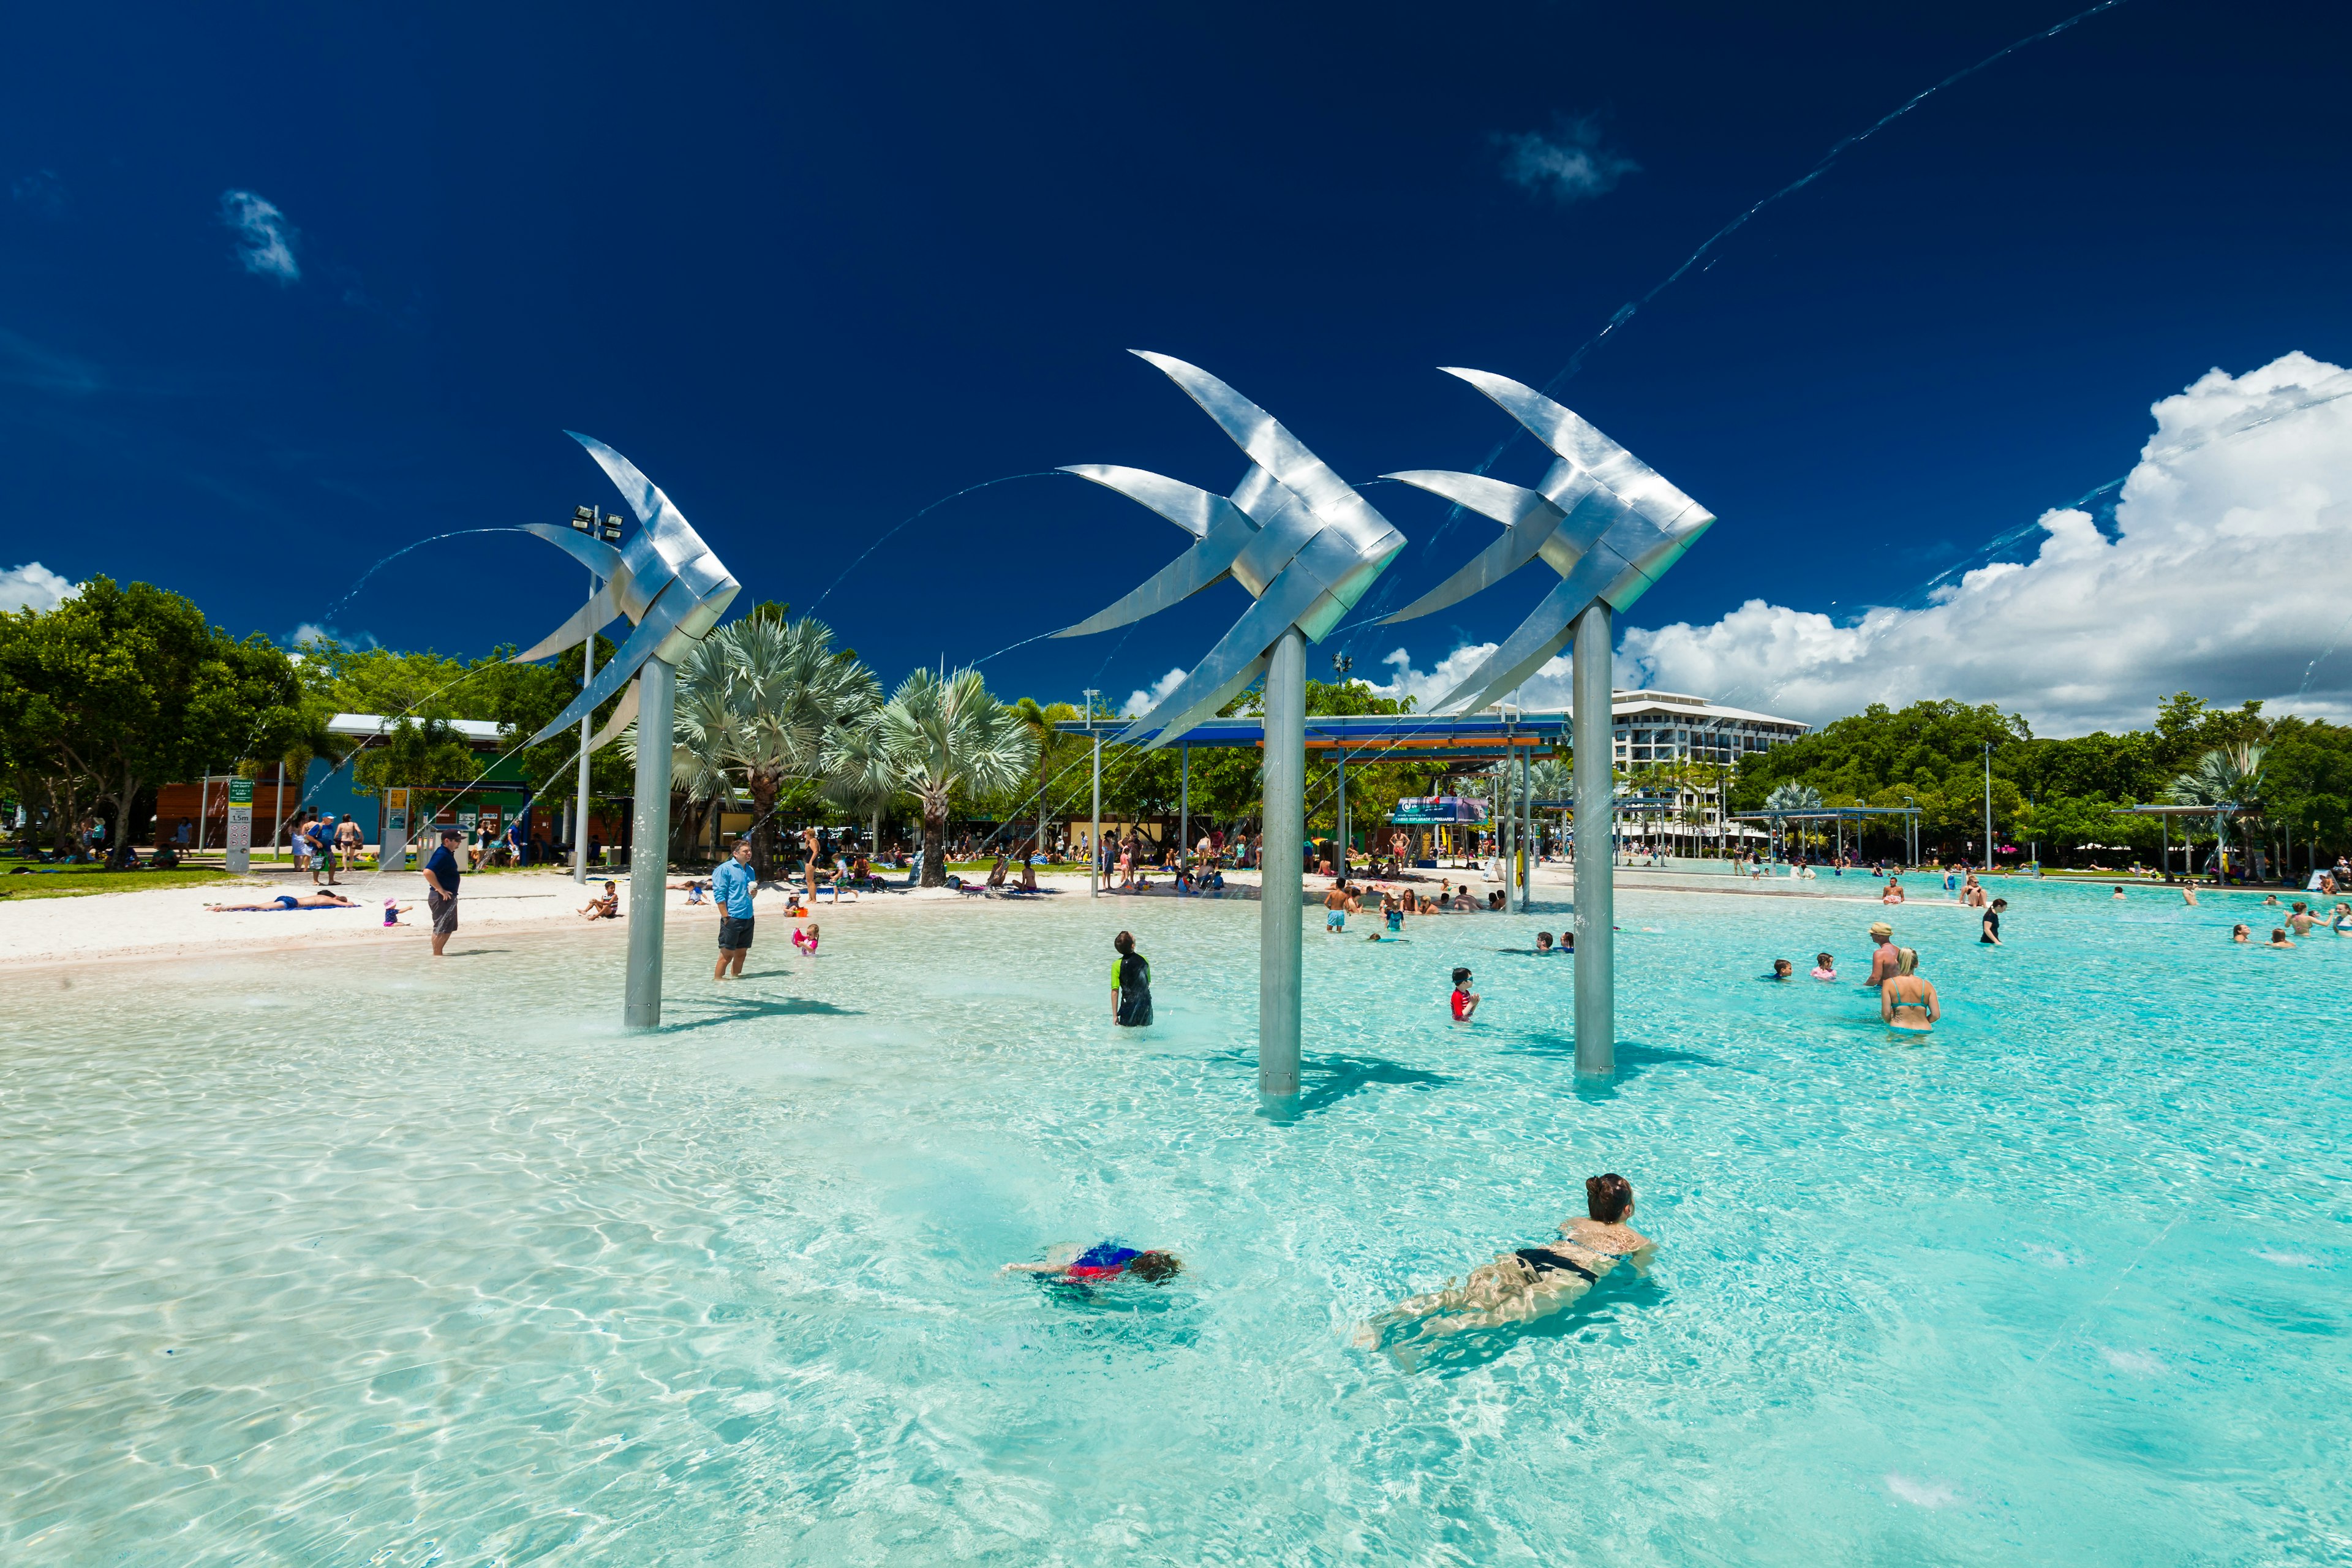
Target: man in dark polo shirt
point(441, 888)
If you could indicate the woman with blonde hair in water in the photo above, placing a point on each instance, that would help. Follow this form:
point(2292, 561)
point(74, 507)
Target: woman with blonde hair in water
point(1905, 1001)
point(1527, 1283)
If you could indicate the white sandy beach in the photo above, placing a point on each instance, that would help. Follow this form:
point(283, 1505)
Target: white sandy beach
point(174, 922)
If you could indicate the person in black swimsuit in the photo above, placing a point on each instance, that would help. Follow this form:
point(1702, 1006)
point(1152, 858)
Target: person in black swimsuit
point(1525, 1283)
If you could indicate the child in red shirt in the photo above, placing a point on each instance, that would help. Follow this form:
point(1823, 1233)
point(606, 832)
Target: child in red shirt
point(1465, 1001)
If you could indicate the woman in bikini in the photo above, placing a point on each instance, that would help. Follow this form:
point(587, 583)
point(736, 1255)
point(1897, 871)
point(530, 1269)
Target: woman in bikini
point(1529, 1282)
point(1905, 1001)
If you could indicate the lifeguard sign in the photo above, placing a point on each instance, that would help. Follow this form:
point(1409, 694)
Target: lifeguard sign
point(394, 851)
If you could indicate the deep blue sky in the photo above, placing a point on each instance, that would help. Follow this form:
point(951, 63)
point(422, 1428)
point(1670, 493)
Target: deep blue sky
point(814, 268)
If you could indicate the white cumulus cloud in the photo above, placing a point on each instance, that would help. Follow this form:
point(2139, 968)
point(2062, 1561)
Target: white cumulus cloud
point(1569, 165)
point(1139, 701)
point(34, 586)
point(2229, 575)
point(316, 631)
point(265, 240)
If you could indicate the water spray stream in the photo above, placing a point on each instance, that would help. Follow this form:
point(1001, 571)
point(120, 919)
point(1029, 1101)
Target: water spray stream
point(454, 534)
point(1821, 165)
point(1008, 478)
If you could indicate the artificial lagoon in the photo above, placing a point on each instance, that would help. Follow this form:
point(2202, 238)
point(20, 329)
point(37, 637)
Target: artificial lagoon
point(350, 1257)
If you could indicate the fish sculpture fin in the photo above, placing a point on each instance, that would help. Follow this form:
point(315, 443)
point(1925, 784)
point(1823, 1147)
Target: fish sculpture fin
point(1529, 517)
point(583, 622)
point(594, 554)
point(624, 713)
point(1225, 530)
point(661, 618)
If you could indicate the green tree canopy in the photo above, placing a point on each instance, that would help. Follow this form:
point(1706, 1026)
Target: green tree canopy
point(130, 688)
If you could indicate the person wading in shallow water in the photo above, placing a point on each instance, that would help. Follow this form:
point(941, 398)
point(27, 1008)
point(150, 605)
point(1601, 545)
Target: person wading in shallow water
point(1130, 985)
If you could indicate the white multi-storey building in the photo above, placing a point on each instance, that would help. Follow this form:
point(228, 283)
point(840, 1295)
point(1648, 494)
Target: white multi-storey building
point(1654, 727)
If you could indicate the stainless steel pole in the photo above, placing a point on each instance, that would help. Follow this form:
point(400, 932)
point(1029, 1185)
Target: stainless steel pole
point(1596, 973)
point(1184, 805)
point(278, 815)
point(1095, 844)
point(1988, 805)
point(649, 842)
point(580, 827)
point(1528, 827)
point(1339, 863)
point(1282, 881)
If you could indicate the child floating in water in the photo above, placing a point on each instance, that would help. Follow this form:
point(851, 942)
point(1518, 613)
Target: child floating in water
point(1101, 1263)
point(1781, 970)
point(1543, 942)
point(1825, 966)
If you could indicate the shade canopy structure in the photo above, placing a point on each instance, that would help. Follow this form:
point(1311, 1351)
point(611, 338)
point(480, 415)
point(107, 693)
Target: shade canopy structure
point(1414, 737)
point(1841, 815)
point(1829, 814)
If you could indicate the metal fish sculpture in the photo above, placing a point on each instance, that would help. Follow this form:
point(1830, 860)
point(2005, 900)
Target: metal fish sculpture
point(665, 580)
point(1601, 518)
point(1293, 532)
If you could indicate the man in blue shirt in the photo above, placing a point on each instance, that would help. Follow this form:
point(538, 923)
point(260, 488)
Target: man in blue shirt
point(320, 834)
point(441, 888)
point(730, 889)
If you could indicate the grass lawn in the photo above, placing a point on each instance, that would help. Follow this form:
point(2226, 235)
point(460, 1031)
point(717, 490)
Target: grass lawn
point(74, 884)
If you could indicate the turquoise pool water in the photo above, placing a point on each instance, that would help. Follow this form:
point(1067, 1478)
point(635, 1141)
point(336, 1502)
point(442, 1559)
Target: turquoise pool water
point(335, 1258)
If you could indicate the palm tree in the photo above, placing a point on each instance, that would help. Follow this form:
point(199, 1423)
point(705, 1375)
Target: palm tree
point(418, 754)
point(946, 734)
point(1792, 799)
point(309, 738)
point(2229, 780)
point(762, 701)
point(1548, 778)
point(703, 733)
point(1038, 722)
point(860, 775)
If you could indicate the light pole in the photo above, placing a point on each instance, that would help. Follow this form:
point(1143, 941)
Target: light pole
point(1910, 832)
point(1988, 805)
point(608, 529)
point(1094, 840)
point(1341, 665)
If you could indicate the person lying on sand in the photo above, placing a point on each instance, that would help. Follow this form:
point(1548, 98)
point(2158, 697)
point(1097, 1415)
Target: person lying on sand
point(285, 901)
